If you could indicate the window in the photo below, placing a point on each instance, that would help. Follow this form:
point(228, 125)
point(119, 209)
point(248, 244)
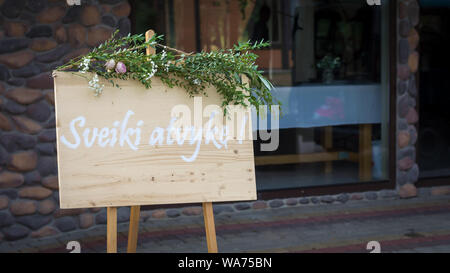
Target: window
point(329, 63)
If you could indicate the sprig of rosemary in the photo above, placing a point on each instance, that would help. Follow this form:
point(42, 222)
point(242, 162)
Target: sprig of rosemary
point(194, 72)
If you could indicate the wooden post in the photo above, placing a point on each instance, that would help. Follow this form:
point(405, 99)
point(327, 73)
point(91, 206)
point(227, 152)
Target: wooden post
point(148, 35)
point(210, 228)
point(111, 230)
point(133, 229)
point(365, 152)
point(208, 213)
point(328, 144)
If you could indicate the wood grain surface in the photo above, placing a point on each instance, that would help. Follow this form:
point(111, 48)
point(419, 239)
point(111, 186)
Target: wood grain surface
point(105, 175)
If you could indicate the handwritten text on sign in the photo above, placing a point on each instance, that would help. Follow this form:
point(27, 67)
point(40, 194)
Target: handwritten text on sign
point(123, 133)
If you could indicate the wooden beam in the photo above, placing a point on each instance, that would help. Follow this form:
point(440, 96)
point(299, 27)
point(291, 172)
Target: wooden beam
point(135, 210)
point(148, 35)
point(210, 228)
point(296, 158)
point(365, 152)
point(133, 229)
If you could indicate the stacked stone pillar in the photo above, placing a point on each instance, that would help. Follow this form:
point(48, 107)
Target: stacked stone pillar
point(35, 37)
point(407, 117)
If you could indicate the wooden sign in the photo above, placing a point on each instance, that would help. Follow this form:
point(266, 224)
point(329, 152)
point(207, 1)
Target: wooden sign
point(137, 146)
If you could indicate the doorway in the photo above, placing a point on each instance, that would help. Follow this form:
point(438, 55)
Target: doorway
point(434, 84)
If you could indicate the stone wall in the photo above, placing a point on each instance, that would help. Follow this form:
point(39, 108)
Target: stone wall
point(35, 37)
point(407, 116)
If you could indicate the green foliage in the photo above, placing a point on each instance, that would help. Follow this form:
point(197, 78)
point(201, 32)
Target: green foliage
point(328, 62)
point(194, 72)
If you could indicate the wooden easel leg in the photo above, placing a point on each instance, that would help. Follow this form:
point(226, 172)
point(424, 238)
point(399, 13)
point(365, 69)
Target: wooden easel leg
point(210, 228)
point(111, 230)
point(133, 229)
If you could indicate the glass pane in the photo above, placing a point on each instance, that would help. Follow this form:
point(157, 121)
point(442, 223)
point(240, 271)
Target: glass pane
point(329, 63)
point(434, 124)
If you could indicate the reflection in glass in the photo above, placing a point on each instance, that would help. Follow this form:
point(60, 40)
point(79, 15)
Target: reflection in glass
point(328, 61)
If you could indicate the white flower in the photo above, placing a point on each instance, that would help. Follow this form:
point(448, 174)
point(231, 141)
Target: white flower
point(166, 65)
point(84, 66)
point(94, 85)
point(152, 73)
point(197, 81)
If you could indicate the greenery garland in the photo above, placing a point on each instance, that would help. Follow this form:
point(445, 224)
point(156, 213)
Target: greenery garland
point(125, 58)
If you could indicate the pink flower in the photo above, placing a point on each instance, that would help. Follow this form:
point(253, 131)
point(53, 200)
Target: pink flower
point(121, 68)
point(109, 65)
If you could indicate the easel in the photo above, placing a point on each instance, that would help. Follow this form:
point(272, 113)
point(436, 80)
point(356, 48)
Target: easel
point(111, 225)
